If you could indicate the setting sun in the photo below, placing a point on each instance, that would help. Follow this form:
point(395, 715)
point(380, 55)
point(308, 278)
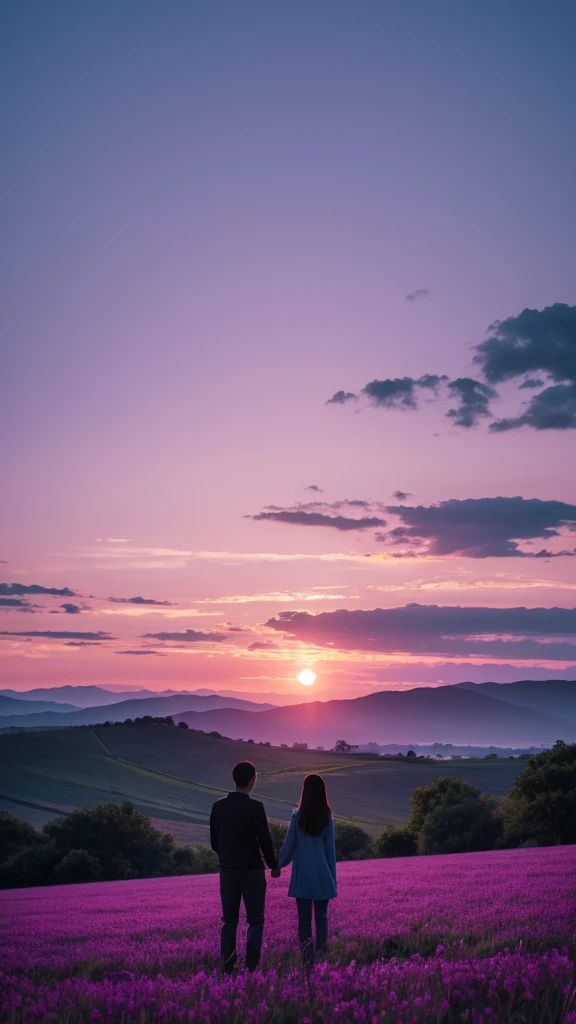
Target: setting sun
point(306, 677)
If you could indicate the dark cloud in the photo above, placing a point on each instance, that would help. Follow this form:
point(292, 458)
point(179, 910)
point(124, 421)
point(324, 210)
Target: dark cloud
point(543, 340)
point(420, 293)
point(315, 488)
point(474, 401)
point(188, 636)
point(59, 634)
point(400, 392)
point(340, 397)
point(16, 604)
point(536, 340)
point(552, 409)
point(482, 527)
point(298, 517)
point(430, 630)
point(157, 654)
point(33, 588)
point(141, 600)
point(263, 645)
point(401, 495)
point(469, 528)
point(83, 643)
point(71, 609)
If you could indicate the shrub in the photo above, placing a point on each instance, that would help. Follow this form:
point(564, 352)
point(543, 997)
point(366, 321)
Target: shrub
point(16, 833)
point(194, 860)
point(445, 789)
point(113, 830)
point(182, 725)
point(541, 806)
point(395, 841)
point(352, 842)
point(32, 865)
point(278, 832)
point(463, 826)
point(77, 866)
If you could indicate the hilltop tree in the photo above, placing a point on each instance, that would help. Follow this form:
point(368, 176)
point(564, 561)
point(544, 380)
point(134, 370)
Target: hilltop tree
point(540, 809)
point(342, 747)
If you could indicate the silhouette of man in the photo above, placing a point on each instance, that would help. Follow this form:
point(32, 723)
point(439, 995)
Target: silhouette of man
point(239, 834)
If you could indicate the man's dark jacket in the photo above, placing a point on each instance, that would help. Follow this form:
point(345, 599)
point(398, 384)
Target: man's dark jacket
point(239, 831)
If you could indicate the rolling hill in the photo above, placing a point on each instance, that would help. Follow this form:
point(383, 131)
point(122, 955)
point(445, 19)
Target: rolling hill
point(446, 714)
point(134, 708)
point(175, 775)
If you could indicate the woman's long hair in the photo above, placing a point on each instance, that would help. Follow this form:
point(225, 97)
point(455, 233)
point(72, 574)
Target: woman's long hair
point(314, 807)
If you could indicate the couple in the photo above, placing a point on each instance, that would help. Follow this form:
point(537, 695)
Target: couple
point(239, 834)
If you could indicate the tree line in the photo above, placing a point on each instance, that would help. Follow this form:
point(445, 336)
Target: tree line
point(116, 841)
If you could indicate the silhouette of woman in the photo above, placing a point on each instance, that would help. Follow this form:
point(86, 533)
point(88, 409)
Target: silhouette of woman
point(309, 845)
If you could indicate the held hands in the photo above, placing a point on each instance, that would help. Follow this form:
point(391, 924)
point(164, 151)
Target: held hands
point(275, 872)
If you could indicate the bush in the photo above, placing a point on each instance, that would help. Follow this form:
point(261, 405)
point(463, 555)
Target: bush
point(110, 831)
point(77, 866)
point(445, 789)
point(15, 833)
point(352, 842)
point(32, 865)
point(541, 806)
point(182, 725)
point(278, 833)
point(465, 826)
point(194, 860)
point(395, 841)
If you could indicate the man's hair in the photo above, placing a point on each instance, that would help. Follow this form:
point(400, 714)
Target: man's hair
point(243, 773)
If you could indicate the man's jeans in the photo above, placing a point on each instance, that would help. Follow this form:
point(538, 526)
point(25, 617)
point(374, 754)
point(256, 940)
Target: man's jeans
point(236, 884)
point(305, 927)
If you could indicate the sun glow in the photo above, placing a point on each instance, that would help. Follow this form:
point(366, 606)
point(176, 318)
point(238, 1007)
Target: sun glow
point(306, 677)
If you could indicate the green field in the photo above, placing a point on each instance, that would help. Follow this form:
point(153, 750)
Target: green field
point(175, 775)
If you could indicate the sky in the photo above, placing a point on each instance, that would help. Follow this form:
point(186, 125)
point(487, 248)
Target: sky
point(288, 344)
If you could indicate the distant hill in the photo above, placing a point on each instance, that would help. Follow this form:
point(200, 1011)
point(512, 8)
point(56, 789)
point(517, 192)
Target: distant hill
point(135, 708)
point(445, 714)
point(85, 696)
point(97, 696)
point(555, 697)
point(10, 706)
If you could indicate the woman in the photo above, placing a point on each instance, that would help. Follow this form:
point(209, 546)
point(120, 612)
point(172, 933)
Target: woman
point(309, 844)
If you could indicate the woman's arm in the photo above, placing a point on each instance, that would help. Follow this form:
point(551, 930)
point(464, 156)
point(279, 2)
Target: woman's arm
point(289, 844)
point(330, 847)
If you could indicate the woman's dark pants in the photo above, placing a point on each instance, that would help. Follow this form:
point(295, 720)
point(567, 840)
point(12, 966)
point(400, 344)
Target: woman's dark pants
point(305, 927)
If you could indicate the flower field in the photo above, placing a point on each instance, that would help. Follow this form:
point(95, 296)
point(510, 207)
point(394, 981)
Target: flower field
point(486, 937)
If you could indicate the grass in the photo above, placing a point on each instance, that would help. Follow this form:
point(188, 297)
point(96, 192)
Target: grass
point(176, 775)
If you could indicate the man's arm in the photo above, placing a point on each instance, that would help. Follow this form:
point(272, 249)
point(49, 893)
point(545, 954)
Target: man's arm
point(213, 831)
point(264, 837)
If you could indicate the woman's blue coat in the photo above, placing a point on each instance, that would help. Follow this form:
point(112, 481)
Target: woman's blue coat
point(313, 861)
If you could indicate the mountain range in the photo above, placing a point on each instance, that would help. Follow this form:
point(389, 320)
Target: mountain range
point(524, 713)
point(136, 707)
point(444, 714)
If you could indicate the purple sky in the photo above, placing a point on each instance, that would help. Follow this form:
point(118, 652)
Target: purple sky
point(218, 215)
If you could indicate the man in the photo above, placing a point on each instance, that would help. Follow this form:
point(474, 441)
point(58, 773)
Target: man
point(238, 832)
